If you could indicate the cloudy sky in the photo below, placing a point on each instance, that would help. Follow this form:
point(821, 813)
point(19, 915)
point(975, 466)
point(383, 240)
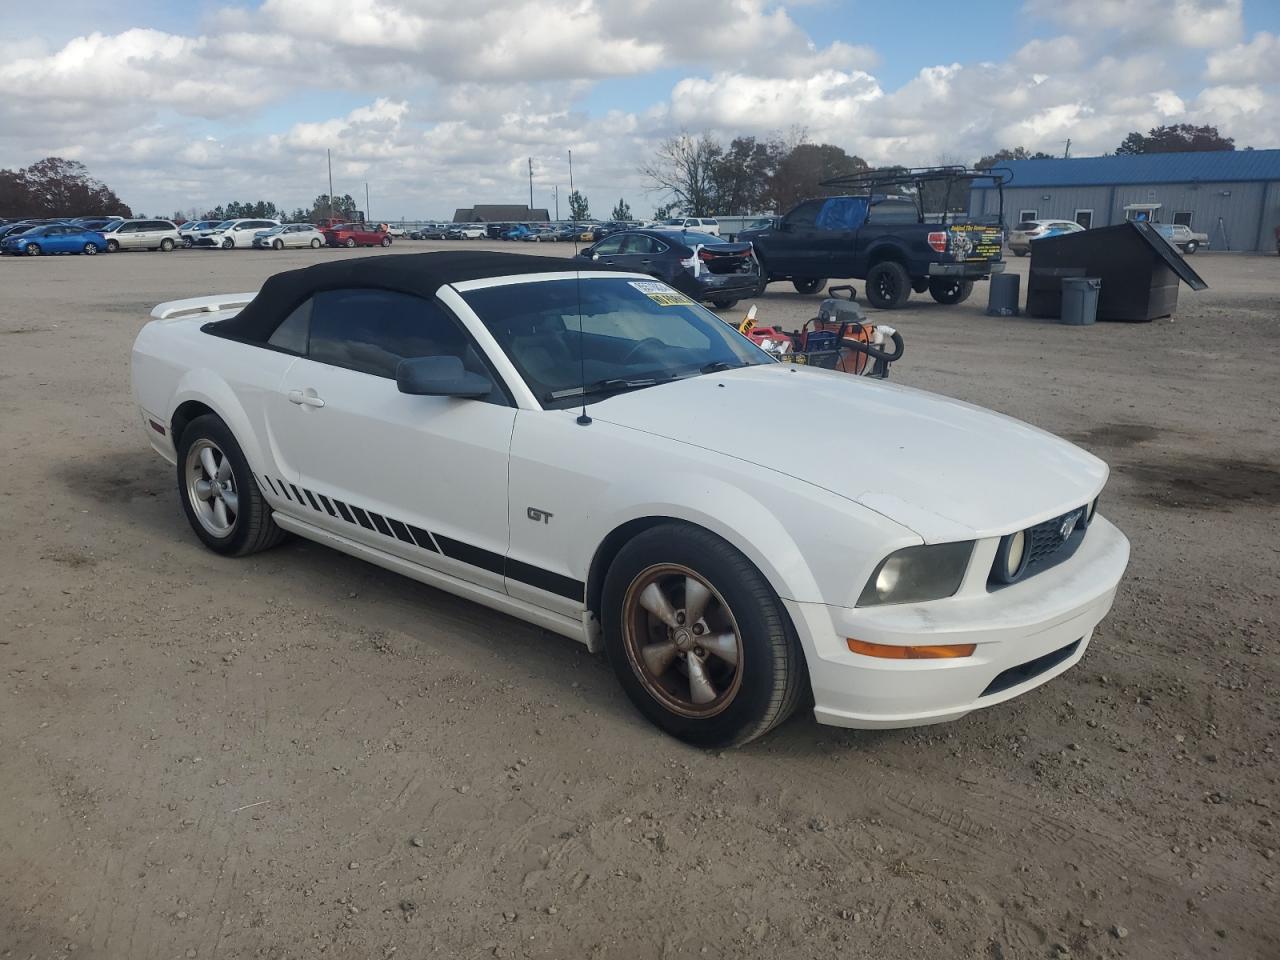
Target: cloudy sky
point(438, 104)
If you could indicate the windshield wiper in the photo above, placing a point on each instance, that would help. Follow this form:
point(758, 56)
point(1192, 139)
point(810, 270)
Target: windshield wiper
point(716, 366)
point(614, 385)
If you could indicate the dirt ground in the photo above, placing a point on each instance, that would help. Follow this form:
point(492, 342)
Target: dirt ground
point(300, 754)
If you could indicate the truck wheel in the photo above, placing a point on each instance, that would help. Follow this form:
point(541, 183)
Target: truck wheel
point(888, 285)
point(698, 639)
point(723, 304)
point(808, 286)
point(219, 493)
point(950, 291)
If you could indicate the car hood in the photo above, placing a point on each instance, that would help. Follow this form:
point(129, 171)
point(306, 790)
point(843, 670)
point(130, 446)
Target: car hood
point(943, 468)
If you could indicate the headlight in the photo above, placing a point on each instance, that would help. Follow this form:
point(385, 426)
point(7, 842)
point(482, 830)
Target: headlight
point(915, 574)
point(1089, 512)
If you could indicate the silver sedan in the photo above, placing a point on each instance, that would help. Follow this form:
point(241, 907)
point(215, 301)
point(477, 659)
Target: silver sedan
point(288, 235)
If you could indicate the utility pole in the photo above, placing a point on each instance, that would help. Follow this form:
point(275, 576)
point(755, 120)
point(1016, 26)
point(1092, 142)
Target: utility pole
point(531, 186)
point(329, 156)
point(368, 218)
point(571, 216)
point(556, 193)
point(1067, 152)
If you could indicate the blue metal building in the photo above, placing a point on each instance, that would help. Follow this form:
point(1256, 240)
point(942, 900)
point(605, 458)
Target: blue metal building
point(1231, 195)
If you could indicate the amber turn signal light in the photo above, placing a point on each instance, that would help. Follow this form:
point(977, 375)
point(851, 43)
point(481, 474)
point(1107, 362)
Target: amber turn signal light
point(887, 651)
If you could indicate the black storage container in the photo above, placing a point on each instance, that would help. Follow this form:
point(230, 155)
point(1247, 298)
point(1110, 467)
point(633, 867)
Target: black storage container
point(1139, 269)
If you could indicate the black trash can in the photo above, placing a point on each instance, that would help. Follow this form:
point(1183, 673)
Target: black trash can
point(1140, 272)
point(1002, 299)
point(1079, 300)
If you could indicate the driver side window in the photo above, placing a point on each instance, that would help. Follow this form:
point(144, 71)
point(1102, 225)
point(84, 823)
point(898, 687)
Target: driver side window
point(805, 216)
point(609, 246)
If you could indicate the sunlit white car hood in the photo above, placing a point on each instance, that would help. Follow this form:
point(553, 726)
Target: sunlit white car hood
point(941, 467)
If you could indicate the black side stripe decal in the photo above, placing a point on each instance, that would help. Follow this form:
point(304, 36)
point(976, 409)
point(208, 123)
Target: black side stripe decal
point(467, 553)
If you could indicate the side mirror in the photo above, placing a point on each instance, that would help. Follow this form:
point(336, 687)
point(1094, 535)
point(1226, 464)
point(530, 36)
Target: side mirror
point(440, 377)
point(595, 256)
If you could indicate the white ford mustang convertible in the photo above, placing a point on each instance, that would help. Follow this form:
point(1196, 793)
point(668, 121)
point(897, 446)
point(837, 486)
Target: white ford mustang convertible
point(593, 453)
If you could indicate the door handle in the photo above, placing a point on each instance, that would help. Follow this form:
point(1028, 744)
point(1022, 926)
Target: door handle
point(304, 399)
point(646, 261)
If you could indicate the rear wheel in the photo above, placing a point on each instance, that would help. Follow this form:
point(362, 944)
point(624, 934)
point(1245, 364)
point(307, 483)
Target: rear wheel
point(166, 244)
point(809, 286)
point(1020, 253)
point(1191, 247)
point(948, 291)
point(698, 639)
point(315, 244)
point(888, 285)
point(723, 304)
point(219, 493)
point(90, 249)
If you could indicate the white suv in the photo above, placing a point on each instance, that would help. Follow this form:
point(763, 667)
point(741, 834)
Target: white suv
point(702, 224)
point(141, 235)
point(233, 233)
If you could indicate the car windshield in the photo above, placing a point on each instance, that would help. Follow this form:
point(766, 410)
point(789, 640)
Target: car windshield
point(279, 229)
point(674, 222)
point(225, 225)
point(583, 340)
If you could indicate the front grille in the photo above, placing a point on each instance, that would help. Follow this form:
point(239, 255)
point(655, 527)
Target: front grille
point(1046, 546)
point(1029, 670)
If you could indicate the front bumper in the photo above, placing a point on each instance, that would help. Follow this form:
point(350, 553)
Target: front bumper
point(969, 270)
point(1026, 634)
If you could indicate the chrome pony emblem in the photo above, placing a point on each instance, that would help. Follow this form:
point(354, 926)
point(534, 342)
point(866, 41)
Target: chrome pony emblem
point(1068, 525)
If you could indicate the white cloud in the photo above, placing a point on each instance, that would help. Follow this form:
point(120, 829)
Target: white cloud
point(1187, 23)
point(1258, 60)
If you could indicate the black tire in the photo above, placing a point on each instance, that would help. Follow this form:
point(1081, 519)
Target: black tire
point(723, 304)
point(277, 244)
point(187, 243)
point(888, 285)
point(228, 243)
point(1191, 247)
point(33, 250)
point(166, 245)
point(948, 291)
point(386, 242)
point(113, 246)
point(90, 249)
point(812, 285)
point(920, 285)
point(253, 529)
point(315, 244)
point(1020, 253)
point(772, 674)
point(349, 242)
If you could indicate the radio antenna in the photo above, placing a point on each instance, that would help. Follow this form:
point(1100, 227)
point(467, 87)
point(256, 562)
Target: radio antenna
point(583, 419)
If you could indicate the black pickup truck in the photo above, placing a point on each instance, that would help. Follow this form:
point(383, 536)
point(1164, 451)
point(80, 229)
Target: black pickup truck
point(889, 240)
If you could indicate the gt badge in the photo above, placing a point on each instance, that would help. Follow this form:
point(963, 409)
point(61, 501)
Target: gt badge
point(538, 516)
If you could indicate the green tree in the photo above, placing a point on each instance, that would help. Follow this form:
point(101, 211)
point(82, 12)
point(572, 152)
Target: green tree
point(54, 187)
point(343, 208)
point(622, 211)
point(742, 173)
point(578, 207)
point(800, 173)
point(1176, 138)
point(1004, 153)
point(663, 211)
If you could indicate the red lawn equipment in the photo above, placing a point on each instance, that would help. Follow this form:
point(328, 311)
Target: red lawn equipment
point(838, 338)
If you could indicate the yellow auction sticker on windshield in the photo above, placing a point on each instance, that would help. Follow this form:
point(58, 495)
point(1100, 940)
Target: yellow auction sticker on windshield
point(661, 294)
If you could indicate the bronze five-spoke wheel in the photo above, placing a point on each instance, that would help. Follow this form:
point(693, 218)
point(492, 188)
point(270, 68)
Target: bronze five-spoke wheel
point(682, 640)
point(698, 638)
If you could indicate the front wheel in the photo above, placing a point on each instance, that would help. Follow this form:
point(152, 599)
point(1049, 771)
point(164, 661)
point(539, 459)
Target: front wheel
point(112, 246)
point(808, 286)
point(33, 250)
point(166, 244)
point(277, 244)
point(386, 242)
point(888, 285)
point(350, 242)
point(228, 243)
point(90, 249)
point(187, 243)
point(315, 244)
point(698, 638)
point(1020, 253)
point(219, 493)
point(1191, 247)
point(949, 292)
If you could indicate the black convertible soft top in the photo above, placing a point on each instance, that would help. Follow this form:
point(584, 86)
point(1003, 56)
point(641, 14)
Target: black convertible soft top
point(421, 274)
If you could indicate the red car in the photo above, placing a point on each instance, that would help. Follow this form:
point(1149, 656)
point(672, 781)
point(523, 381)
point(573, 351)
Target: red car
point(357, 235)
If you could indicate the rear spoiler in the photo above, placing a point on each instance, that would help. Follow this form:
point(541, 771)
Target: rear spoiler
point(221, 301)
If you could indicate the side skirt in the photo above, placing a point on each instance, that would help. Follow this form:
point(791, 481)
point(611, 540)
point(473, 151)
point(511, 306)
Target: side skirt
point(574, 629)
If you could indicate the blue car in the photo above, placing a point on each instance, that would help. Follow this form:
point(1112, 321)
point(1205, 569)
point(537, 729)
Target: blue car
point(54, 238)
